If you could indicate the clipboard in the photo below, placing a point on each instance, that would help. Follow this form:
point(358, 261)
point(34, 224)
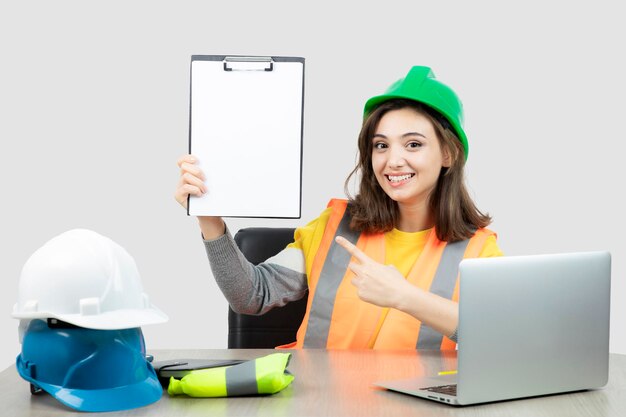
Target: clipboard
point(246, 123)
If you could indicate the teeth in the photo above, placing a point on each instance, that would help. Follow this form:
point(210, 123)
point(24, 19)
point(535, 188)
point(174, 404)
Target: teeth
point(398, 178)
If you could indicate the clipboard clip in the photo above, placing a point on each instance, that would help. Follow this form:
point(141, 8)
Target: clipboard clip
point(248, 63)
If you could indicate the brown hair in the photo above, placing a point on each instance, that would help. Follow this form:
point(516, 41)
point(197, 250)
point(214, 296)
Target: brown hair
point(373, 211)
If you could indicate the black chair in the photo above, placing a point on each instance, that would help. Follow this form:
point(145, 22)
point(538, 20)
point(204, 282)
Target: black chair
point(279, 325)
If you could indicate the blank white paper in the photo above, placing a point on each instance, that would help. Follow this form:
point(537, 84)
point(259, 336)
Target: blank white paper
point(246, 131)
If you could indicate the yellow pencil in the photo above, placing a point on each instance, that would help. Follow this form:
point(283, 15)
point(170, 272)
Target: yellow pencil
point(447, 373)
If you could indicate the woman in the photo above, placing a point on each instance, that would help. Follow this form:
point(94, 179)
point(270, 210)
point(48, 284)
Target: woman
point(406, 231)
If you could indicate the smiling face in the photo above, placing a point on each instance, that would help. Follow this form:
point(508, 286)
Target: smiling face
point(407, 157)
point(411, 168)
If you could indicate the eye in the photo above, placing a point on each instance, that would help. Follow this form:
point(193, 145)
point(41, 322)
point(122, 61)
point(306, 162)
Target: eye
point(380, 145)
point(414, 144)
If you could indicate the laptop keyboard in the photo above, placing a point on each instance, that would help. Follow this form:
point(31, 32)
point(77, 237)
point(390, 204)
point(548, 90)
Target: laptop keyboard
point(442, 389)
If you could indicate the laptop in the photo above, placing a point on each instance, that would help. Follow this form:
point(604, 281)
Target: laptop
point(528, 326)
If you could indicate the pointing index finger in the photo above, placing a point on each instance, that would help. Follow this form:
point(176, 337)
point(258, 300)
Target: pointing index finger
point(352, 249)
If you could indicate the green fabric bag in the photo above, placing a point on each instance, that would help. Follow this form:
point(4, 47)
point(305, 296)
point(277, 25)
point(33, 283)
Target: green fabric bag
point(265, 375)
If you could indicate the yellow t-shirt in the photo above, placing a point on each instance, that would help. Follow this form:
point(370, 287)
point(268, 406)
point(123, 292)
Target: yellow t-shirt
point(401, 248)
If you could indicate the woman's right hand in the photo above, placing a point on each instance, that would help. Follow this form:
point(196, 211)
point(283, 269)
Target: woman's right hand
point(192, 183)
point(191, 180)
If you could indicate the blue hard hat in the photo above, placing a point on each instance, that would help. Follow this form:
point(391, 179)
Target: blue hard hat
point(87, 369)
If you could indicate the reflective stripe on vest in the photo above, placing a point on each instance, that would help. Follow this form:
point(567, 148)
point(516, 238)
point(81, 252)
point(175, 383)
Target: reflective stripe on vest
point(337, 318)
point(241, 379)
point(443, 286)
point(331, 276)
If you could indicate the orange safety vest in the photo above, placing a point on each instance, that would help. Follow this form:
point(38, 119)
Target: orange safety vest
point(336, 318)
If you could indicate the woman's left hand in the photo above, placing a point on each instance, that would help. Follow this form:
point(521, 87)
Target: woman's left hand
point(376, 283)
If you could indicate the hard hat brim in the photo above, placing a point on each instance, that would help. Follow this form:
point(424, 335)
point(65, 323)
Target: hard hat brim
point(110, 320)
point(113, 399)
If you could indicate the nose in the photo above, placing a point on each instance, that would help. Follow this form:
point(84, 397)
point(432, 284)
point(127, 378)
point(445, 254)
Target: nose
point(396, 157)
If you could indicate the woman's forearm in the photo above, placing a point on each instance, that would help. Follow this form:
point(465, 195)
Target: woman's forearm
point(211, 227)
point(437, 312)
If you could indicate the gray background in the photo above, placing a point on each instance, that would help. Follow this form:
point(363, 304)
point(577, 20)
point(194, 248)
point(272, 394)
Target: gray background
point(94, 106)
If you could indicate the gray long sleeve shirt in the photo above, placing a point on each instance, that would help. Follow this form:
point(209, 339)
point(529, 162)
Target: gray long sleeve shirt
point(252, 289)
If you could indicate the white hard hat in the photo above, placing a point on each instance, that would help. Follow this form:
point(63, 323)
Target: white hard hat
point(86, 279)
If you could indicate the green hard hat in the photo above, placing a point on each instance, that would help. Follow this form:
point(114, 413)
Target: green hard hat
point(420, 85)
